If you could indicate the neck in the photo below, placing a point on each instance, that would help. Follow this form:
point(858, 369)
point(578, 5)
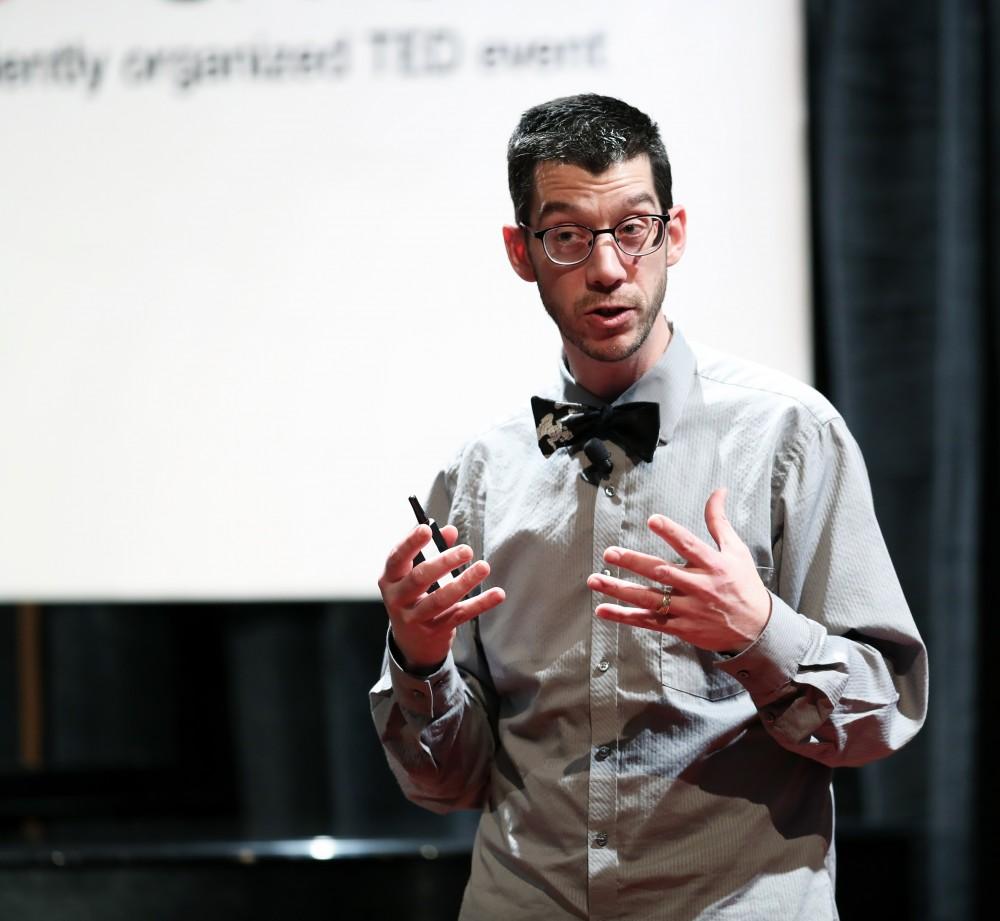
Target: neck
point(610, 379)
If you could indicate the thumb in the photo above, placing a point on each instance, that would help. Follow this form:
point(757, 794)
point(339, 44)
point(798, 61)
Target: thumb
point(715, 518)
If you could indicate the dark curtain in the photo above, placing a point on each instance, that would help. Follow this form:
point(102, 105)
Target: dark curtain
point(905, 139)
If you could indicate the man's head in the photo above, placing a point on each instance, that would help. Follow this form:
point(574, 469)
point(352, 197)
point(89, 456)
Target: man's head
point(587, 164)
point(590, 131)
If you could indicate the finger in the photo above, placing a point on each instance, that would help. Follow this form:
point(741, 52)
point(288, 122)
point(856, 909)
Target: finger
point(430, 571)
point(400, 559)
point(691, 548)
point(430, 607)
point(450, 534)
point(640, 596)
point(683, 579)
point(649, 567)
point(715, 519)
point(636, 617)
point(472, 607)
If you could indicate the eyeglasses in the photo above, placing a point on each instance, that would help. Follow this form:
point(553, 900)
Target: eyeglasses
point(571, 244)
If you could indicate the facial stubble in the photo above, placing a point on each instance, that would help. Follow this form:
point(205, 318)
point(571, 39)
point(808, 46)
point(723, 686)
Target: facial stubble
point(592, 348)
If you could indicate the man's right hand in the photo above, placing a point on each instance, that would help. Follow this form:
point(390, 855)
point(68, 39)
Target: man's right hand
point(423, 625)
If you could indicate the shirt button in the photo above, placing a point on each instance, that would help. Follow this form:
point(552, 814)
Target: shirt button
point(600, 839)
point(743, 673)
point(605, 572)
point(603, 665)
point(602, 753)
point(609, 490)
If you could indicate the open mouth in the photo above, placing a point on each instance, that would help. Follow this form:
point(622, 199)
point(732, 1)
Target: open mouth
point(609, 312)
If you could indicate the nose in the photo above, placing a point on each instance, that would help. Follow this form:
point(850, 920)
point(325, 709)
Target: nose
point(605, 269)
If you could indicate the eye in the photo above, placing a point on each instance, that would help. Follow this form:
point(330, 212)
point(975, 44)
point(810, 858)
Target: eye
point(633, 228)
point(568, 235)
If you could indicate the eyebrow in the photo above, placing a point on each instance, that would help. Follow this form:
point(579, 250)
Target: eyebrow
point(642, 198)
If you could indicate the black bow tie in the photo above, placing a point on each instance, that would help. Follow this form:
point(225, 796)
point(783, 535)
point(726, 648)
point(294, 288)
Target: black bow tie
point(634, 426)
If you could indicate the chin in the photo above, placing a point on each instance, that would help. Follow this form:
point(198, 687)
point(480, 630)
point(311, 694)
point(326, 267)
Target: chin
point(609, 351)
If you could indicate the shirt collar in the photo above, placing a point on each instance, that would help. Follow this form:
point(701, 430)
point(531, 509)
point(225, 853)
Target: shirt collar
point(667, 383)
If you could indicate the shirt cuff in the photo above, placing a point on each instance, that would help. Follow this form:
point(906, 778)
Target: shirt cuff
point(426, 695)
point(773, 659)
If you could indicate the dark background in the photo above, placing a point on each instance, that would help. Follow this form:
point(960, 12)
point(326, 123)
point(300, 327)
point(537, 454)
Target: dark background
point(167, 761)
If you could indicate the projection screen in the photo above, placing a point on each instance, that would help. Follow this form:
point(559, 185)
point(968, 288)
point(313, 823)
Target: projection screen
point(254, 290)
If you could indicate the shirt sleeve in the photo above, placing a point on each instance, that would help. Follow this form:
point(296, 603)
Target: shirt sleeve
point(438, 730)
point(839, 673)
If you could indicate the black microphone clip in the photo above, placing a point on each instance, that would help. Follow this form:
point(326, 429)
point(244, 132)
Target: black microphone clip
point(601, 464)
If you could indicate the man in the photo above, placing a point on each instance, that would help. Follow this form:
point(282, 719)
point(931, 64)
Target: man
point(650, 718)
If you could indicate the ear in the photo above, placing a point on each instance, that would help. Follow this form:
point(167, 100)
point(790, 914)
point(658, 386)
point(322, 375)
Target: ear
point(516, 241)
point(676, 234)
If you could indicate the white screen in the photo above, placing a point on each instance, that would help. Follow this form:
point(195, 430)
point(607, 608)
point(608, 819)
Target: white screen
point(253, 288)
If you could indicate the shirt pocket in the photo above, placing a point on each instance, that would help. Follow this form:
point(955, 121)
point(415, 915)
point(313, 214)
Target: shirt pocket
point(687, 668)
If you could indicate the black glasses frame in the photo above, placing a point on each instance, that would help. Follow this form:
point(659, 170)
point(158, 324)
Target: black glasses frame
point(540, 235)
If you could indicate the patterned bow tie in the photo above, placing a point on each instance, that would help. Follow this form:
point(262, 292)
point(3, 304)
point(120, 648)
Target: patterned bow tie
point(634, 426)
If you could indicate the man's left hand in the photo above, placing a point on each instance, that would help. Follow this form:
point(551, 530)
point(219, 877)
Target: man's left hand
point(717, 600)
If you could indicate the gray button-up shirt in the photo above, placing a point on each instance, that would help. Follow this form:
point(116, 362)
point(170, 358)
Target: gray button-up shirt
point(623, 773)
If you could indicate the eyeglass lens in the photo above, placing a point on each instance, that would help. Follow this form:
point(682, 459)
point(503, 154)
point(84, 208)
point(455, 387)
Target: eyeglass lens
point(636, 236)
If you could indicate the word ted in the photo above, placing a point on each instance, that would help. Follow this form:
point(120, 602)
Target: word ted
point(415, 51)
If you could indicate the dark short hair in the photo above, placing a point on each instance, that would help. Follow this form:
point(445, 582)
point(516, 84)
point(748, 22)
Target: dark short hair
point(589, 131)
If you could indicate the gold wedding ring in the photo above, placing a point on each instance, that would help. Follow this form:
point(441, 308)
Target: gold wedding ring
point(664, 608)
